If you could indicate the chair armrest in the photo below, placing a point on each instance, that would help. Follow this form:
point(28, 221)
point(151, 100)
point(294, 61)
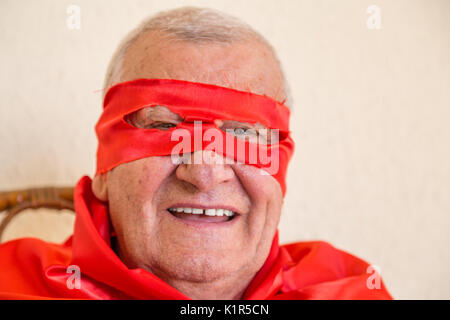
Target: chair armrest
point(15, 201)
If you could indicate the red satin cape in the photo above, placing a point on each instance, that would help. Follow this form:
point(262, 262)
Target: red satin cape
point(34, 269)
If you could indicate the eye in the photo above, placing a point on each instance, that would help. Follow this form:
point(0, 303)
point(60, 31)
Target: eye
point(155, 117)
point(160, 125)
point(245, 132)
point(255, 133)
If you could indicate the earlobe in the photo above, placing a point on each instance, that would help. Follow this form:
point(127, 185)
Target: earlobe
point(99, 187)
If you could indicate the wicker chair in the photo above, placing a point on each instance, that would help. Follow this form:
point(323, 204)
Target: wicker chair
point(13, 202)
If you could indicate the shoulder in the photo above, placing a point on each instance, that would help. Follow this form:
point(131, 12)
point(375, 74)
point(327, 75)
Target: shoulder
point(318, 270)
point(324, 253)
point(23, 263)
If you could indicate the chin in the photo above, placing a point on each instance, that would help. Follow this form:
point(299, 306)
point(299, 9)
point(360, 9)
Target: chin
point(196, 267)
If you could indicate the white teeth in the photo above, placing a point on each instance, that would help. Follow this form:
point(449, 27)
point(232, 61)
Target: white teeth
point(208, 212)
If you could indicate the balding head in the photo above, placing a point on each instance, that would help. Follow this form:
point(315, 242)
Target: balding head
point(199, 45)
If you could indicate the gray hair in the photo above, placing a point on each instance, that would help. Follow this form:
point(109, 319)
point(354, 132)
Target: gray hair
point(197, 25)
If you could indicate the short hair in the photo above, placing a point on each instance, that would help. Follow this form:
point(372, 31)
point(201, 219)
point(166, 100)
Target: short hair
point(196, 25)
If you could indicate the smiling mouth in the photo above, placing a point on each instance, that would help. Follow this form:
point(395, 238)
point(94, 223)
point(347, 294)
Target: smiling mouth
point(203, 215)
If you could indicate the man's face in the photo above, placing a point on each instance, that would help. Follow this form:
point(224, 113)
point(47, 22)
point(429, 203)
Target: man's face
point(186, 246)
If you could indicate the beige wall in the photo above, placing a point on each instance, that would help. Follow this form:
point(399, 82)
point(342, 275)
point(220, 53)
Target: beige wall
point(371, 172)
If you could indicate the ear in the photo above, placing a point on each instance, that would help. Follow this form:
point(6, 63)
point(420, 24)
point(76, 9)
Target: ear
point(99, 187)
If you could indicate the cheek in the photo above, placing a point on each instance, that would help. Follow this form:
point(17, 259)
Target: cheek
point(138, 180)
point(131, 188)
point(266, 198)
point(259, 187)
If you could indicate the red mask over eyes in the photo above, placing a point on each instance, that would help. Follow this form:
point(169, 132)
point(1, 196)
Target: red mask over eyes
point(199, 105)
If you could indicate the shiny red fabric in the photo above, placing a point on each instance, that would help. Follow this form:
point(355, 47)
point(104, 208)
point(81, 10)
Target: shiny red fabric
point(120, 142)
point(34, 269)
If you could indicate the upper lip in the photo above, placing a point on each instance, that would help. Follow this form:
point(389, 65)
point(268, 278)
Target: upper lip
point(204, 207)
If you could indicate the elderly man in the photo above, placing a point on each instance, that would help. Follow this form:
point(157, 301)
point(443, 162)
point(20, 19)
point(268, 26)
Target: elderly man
point(193, 149)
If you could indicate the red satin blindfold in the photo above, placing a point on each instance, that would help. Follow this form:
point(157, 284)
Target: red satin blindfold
point(121, 142)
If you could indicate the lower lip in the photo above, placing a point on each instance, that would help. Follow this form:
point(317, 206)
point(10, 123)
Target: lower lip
point(205, 224)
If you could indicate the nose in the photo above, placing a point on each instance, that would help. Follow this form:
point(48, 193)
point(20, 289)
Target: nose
point(207, 174)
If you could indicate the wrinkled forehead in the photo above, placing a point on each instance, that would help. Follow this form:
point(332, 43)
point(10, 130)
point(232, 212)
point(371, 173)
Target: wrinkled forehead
point(195, 101)
point(248, 65)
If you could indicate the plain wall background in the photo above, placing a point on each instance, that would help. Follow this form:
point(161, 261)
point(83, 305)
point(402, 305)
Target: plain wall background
point(371, 170)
